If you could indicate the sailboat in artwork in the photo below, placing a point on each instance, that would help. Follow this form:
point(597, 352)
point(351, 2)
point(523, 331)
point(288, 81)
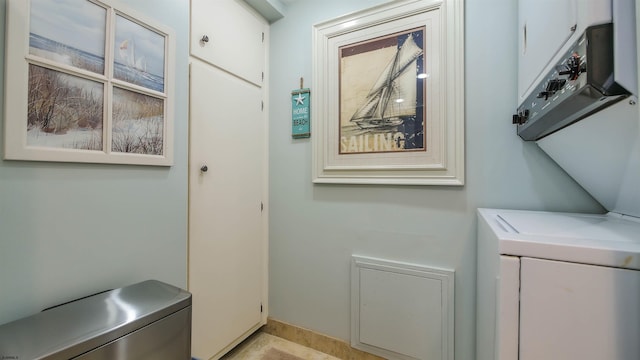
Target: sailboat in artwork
point(393, 97)
point(128, 56)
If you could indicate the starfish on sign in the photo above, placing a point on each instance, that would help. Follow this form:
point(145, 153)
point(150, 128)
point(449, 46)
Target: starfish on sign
point(300, 99)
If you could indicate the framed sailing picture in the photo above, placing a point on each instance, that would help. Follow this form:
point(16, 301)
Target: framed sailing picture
point(390, 89)
point(385, 113)
point(87, 82)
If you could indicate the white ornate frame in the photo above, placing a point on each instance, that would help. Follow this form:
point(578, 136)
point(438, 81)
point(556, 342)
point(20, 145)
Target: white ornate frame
point(17, 62)
point(443, 161)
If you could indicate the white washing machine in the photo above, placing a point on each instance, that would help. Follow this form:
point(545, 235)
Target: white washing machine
point(557, 286)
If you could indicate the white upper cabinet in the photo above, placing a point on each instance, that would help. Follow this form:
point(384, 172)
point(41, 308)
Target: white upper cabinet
point(547, 28)
point(544, 27)
point(230, 35)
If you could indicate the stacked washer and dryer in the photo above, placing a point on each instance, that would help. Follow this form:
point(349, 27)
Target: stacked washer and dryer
point(561, 285)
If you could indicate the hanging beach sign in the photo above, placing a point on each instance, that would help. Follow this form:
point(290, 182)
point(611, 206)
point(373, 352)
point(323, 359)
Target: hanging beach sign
point(301, 113)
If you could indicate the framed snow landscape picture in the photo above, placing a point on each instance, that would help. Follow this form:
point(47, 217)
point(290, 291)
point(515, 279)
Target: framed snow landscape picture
point(390, 94)
point(87, 81)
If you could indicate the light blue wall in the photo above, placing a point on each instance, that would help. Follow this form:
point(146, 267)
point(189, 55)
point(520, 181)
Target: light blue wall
point(68, 230)
point(314, 229)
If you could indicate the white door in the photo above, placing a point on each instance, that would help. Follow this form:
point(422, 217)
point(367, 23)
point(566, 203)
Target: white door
point(578, 312)
point(227, 241)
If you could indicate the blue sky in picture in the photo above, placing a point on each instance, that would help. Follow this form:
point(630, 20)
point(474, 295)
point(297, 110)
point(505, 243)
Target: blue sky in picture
point(77, 23)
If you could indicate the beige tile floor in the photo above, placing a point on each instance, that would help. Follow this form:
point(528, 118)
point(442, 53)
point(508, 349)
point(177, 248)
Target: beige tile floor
point(264, 346)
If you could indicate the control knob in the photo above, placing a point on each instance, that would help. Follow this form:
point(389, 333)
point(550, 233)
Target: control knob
point(574, 67)
point(553, 86)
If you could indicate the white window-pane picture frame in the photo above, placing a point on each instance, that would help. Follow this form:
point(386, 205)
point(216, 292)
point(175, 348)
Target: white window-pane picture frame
point(389, 95)
point(87, 81)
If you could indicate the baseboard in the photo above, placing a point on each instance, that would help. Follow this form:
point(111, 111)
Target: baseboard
point(311, 339)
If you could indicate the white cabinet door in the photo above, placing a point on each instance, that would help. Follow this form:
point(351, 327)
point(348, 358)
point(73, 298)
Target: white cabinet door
point(544, 27)
point(227, 238)
point(234, 37)
point(573, 311)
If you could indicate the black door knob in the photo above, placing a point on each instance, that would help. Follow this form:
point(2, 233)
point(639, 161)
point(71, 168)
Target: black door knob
point(204, 168)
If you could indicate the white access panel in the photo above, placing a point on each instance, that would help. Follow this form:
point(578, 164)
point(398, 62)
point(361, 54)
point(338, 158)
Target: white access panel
point(402, 311)
point(574, 311)
point(235, 37)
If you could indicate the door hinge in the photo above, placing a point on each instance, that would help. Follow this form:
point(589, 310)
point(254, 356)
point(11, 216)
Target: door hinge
point(261, 308)
point(262, 105)
point(263, 76)
point(263, 36)
point(261, 206)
